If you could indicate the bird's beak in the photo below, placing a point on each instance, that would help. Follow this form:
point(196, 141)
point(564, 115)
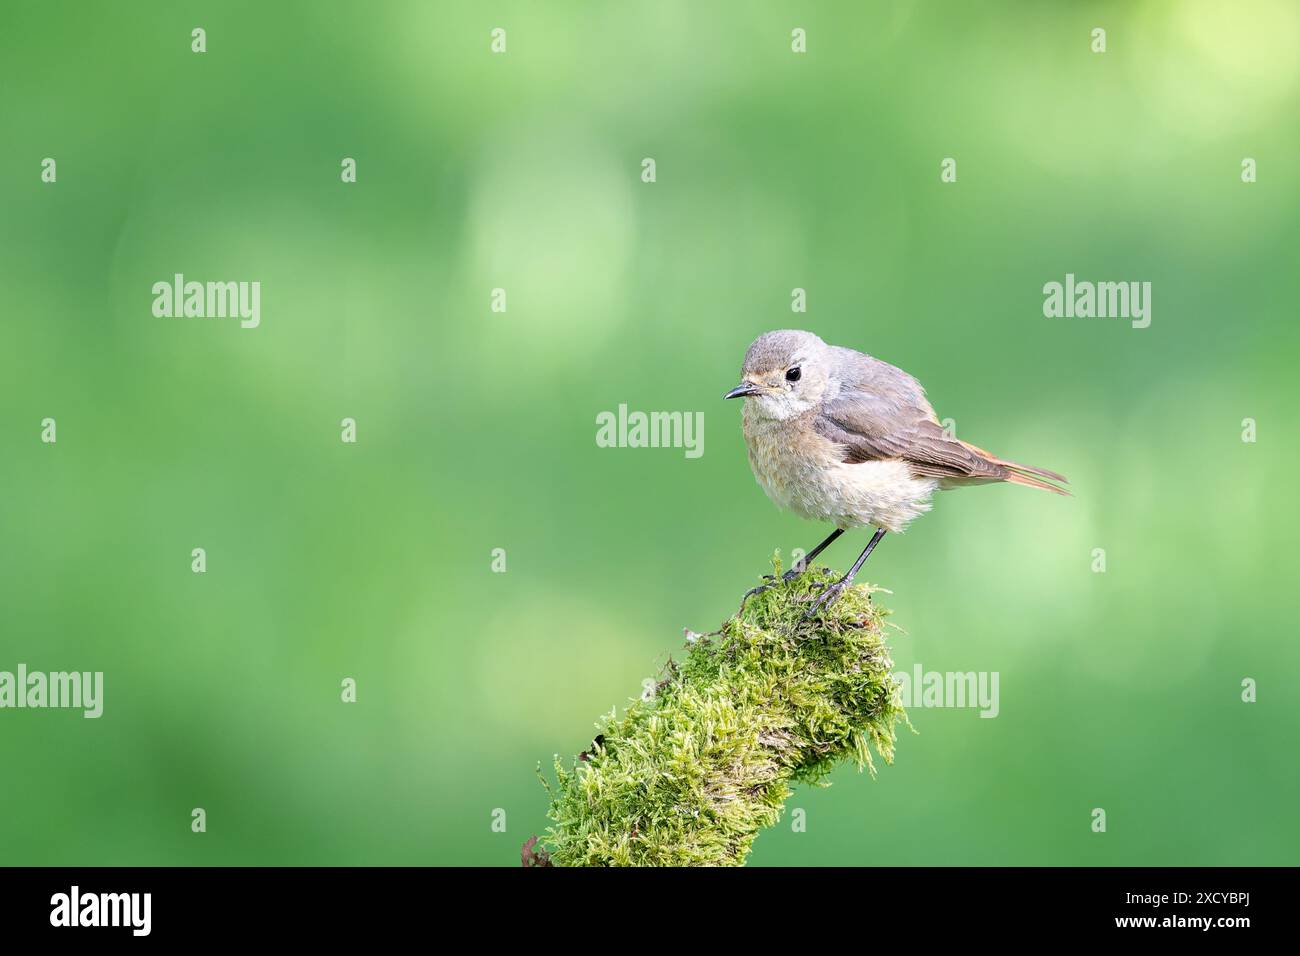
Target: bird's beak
point(743, 389)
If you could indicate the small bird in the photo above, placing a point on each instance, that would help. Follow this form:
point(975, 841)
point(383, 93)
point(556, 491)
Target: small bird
point(835, 435)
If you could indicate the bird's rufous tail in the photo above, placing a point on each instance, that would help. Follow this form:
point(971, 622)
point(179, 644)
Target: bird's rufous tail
point(1025, 474)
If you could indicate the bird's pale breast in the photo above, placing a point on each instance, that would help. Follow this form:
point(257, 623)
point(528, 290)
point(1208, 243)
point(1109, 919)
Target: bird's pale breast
point(802, 471)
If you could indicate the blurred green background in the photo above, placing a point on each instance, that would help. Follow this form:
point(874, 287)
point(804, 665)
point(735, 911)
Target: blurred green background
point(476, 430)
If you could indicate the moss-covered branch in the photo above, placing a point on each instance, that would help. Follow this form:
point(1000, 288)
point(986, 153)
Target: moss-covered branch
point(691, 775)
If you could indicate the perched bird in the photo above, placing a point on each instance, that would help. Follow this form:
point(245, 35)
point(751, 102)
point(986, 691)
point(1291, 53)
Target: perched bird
point(838, 436)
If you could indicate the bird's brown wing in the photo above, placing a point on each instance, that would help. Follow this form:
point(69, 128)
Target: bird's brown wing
point(883, 417)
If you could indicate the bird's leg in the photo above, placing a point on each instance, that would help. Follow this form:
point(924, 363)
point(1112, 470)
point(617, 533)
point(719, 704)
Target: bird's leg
point(801, 565)
point(795, 571)
point(832, 594)
point(798, 569)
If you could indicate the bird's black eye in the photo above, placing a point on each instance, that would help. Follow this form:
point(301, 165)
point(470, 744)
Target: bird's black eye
point(792, 375)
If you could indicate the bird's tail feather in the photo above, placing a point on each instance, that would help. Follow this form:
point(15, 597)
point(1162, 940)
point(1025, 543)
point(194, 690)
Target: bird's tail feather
point(1020, 478)
point(1025, 474)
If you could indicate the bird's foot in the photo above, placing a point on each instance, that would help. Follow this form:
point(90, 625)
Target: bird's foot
point(788, 576)
point(827, 597)
point(750, 593)
point(771, 580)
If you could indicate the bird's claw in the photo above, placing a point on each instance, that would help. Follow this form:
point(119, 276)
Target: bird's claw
point(825, 599)
point(749, 594)
point(786, 578)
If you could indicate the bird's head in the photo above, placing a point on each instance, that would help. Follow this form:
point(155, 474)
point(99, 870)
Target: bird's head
point(785, 374)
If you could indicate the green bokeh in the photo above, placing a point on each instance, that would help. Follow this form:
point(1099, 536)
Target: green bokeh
point(476, 429)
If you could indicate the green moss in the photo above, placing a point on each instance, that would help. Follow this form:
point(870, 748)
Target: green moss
point(690, 776)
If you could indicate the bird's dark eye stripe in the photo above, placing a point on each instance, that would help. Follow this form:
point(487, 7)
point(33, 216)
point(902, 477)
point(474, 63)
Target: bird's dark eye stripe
point(792, 375)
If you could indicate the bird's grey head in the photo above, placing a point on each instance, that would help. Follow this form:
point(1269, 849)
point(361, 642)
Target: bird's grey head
point(785, 374)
